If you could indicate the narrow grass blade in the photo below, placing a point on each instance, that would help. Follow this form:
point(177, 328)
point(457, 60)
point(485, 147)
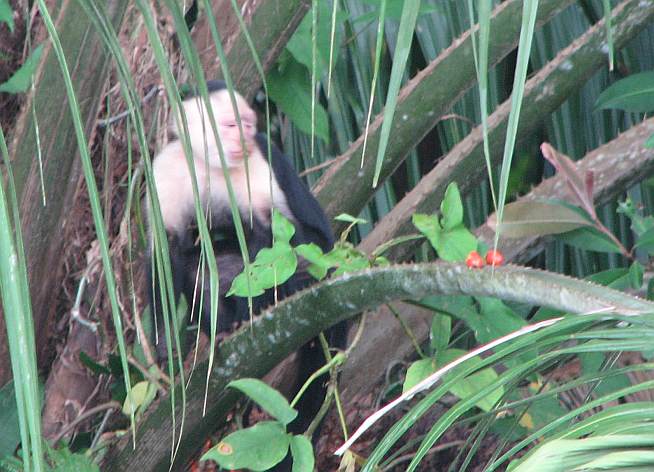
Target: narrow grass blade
point(402, 49)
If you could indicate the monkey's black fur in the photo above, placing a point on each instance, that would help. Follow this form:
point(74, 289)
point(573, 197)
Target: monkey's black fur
point(311, 226)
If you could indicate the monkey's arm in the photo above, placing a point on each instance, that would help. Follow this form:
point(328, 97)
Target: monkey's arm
point(312, 221)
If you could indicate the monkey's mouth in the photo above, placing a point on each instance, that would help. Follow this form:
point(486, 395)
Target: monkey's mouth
point(237, 152)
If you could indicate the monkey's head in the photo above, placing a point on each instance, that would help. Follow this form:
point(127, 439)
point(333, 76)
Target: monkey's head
point(201, 134)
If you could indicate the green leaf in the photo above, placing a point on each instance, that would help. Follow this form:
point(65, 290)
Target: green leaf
point(451, 207)
point(347, 259)
point(349, 219)
point(9, 432)
point(6, 14)
point(617, 278)
point(403, 42)
point(634, 93)
point(535, 218)
point(257, 448)
point(301, 43)
point(417, 372)
point(63, 460)
point(589, 239)
point(320, 263)
point(290, 89)
point(302, 451)
point(639, 224)
point(271, 268)
point(267, 398)
point(282, 229)
point(22, 78)
point(276, 264)
point(498, 319)
point(429, 226)
point(141, 395)
point(646, 241)
point(439, 334)
point(636, 274)
point(456, 244)
point(241, 287)
point(649, 144)
point(473, 383)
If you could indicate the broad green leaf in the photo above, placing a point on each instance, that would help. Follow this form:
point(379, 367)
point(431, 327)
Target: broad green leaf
point(63, 460)
point(451, 207)
point(580, 184)
point(439, 334)
point(472, 384)
point(267, 398)
point(271, 268)
point(9, 432)
point(347, 259)
point(417, 372)
point(456, 244)
point(429, 226)
point(320, 263)
point(617, 278)
point(646, 241)
point(241, 287)
point(300, 45)
point(302, 451)
point(6, 14)
point(282, 229)
point(532, 218)
point(275, 265)
point(634, 93)
point(589, 239)
point(461, 308)
point(649, 144)
point(141, 395)
point(257, 448)
point(22, 78)
point(498, 319)
point(594, 362)
point(639, 224)
point(290, 89)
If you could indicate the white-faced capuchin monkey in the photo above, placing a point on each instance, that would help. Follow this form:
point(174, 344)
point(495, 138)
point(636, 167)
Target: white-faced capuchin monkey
point(289, 195)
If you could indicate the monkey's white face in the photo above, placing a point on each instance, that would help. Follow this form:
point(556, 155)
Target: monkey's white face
point(201, 134)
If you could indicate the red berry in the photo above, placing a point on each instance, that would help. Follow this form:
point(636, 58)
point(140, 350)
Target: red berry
point(494, 258)
point(474, 260)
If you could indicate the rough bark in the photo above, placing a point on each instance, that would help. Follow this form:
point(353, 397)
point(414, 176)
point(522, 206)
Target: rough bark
point(544, 93)
point(48, 109)
point(270, 24)
point(615, 166)
point(345, 186)
point(253, 351)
